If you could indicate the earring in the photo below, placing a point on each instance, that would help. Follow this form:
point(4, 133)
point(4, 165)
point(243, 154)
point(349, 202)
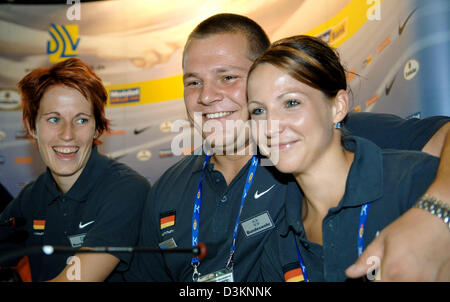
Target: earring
point(338, 125)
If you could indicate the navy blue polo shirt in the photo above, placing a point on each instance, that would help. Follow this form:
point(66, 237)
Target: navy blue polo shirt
point(102, 208)
point(390, 131)
point(167, 219)
point(391, 181)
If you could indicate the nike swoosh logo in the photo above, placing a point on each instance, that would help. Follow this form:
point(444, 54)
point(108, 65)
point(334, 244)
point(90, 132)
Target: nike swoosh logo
point(82, 226)
point(389, 87)
point(402, 27)
point(262, 193)
point(139, 131)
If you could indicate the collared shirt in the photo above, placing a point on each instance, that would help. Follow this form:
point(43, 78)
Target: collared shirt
point(102, 208)
point(390, 131)
point(168, 220)
point(391, 181)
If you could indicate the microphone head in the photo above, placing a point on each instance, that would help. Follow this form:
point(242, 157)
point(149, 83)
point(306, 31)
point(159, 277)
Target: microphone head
point(14, 222)
point(206, 251)
point(202, 251)
point(14, 236)
point(17, 222)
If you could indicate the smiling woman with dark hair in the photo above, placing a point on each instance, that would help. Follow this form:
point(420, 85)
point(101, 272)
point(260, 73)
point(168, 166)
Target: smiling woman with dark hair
point(350, 188)
point(84, 199)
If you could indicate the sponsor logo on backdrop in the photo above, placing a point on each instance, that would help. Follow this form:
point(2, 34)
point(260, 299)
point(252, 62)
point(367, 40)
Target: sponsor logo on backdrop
point(165, 153)
point(350, 75)
point(411, 69)
point(388, 88)
point(325, 36)
point(384, 44)
point(339, 31)
point(21, 134)
point(144, 155)
point(367, 61)
point(138, 131)
point(2, 135)
point(63, 43)
point(9, 99)
point(336, 33)
point(114, 132)
point(166, 126)
point(122, 96)
point(372, 100)
point(401, 27)
point(24, 160)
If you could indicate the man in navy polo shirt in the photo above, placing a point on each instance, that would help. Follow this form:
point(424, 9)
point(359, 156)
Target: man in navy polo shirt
point(216, 60)
point(169, 223)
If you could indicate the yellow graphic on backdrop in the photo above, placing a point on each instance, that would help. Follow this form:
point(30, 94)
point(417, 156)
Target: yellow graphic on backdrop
point(335, 31)
point(63, 42)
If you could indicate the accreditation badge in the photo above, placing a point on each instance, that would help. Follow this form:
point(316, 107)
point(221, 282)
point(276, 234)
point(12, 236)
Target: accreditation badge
point(223, 275)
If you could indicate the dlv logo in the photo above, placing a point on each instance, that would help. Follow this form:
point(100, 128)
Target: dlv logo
point(63, 42)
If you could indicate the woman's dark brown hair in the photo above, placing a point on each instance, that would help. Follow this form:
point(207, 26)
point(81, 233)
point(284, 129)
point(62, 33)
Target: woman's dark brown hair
point(309, 60)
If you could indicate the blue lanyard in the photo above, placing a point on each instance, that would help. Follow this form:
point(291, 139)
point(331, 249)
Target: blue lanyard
point(198, 204)
point(362, 224)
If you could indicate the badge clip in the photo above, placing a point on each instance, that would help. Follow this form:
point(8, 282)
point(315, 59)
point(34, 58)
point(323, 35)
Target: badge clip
point(195, 274)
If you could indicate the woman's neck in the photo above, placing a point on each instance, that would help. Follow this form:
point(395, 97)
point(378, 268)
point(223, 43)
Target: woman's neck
point(64, 183)
point(323, 186)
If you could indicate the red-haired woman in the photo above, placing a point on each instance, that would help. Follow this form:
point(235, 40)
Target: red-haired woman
point(84, 199)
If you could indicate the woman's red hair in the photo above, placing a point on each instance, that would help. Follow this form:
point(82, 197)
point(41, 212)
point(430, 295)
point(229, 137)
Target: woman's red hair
point(72, 73)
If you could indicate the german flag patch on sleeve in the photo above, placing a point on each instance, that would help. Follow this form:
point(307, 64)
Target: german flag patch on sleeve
point(167, 219)
point(293, 273)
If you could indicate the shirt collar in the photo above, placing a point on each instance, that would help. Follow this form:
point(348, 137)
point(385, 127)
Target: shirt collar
point(95, 167)
point(200, 159)
point(364, 183)
point(198, 163)
point(365, 178)
point(293, 209)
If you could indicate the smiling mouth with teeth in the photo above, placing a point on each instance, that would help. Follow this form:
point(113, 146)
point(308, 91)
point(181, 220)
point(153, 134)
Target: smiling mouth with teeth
point(65, 150)
point(218, 114)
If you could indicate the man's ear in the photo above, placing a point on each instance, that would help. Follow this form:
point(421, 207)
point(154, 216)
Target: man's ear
point(340, 106)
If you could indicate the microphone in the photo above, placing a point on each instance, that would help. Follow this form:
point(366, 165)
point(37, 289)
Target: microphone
point(14, 237)
point(200, 251)
point(207, 250)
point(9, 232)
point(14, 222)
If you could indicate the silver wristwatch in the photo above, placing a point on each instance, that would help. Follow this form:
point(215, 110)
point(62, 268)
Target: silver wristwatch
point(435, 207)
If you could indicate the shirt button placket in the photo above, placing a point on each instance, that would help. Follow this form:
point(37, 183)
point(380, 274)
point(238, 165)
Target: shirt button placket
point(329, 247)
point(64, 206)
